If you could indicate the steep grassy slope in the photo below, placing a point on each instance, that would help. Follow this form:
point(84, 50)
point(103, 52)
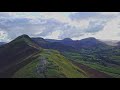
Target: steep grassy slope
point(91, 52)
point(50, 64)
point(91, 61)
point(22, 57)
point(15, 52)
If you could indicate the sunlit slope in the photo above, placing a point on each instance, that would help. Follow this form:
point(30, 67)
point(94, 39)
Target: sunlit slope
point(50, 64)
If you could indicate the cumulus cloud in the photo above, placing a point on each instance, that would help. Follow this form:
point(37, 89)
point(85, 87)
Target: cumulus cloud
point(3, 36)
point(111, 30)
point(89, 15)
point(95, 26)
point(60, 25)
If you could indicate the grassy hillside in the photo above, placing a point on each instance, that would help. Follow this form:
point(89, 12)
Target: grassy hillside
point(12, 54)
point(110, 69)
point(49, 64)
point(24, 58)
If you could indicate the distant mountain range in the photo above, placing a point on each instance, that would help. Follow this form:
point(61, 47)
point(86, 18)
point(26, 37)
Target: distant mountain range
point(2, 43)
point(23, 57)
point(75, 45)
point(45, 58)
point(50, 44)
point(89, 50)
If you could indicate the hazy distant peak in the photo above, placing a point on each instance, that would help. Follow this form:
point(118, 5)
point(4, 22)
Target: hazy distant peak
point(67, 39)
point(111, 42)
point(23, 36)
point(89, 38)
point(38, 37)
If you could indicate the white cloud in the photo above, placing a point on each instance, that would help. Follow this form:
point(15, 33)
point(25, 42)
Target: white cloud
point(59, 25)
point(4, 36)
point(54, 35)
point(111, 30)
point(82, 24)
point(109, 13)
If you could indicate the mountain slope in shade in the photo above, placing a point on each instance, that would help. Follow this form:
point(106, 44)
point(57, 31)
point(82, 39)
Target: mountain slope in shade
point(118, 44)
point(24, 58)
point(53, 45)
point(66, 41)
point(34, 58)
point(15, 52)
point(90, 42)
point(2, 43)
point(79, 44)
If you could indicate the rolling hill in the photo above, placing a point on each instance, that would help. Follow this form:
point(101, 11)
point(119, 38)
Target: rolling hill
point(53, 45)
point(23, 58)
point(50, 64)
point(80, 44)
point(26, 57)
point(15, 52)
point(94, 53)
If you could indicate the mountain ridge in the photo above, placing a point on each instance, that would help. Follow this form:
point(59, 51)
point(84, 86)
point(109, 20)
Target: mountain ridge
point(15, 51)
point(83, 43)
point(23, 51)
point(21, 57)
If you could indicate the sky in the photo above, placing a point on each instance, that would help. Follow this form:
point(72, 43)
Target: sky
point(60, 25)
